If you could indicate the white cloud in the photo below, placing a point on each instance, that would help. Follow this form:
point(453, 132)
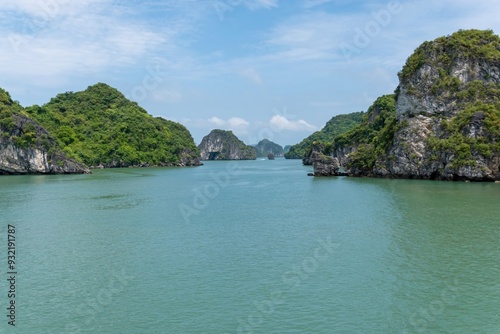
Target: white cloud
point(216, 121)
point(62, 39)
point(48, 9)
point(251, 74)
point(281, 123)
point(311, 36)
point(237, 124)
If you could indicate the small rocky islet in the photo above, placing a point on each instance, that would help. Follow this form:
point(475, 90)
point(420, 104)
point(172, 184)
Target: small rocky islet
point(224, 145)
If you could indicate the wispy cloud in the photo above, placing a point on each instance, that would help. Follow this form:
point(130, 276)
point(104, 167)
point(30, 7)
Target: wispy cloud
point(312, 36)
point(281, 123)
point(216, 121)
point(66, 39)
point(49, 9)
point(257, 4)
point(231, 123)
point(166, 95)
point(238, 125)
point(250, 74)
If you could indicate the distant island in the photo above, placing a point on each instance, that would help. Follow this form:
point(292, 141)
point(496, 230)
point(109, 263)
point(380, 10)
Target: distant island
point(266, 147)
point(224, 145)
point(442, 122)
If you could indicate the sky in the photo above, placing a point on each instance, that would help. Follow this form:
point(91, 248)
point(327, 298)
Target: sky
point(270, 69)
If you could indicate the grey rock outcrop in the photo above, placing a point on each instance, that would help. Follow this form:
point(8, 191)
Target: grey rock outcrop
point(224, 145)
point(325, 165)
point(447, 115)
point(27, 148)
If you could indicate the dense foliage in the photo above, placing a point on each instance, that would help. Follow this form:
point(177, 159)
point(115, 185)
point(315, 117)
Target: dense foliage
point(337, 125)
point(100, 126)
point(483, 44)
point(16, 126)
point(373, 136)
point(456, 140)
point(7, 110)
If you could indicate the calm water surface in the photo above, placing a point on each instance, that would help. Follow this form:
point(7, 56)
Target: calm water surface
point(250, 247)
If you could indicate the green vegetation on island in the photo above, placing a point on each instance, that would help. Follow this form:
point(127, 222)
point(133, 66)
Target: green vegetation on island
point(8, 109)
point(99, 126)
point(466, 44)
point(16, 126)
point(443, 122)
point(373, 136)
point(334, 127)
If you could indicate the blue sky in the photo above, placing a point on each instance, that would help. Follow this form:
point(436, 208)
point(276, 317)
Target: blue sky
point(271, 69)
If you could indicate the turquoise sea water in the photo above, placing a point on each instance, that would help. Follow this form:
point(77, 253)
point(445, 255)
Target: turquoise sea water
point(249, 247)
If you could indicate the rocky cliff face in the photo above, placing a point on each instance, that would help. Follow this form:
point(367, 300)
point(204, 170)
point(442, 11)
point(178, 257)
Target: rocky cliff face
point(449, 105)
point(320, 157)
point(27, 148)
point(224, 145)
point(447, 116)
point(325, 165)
